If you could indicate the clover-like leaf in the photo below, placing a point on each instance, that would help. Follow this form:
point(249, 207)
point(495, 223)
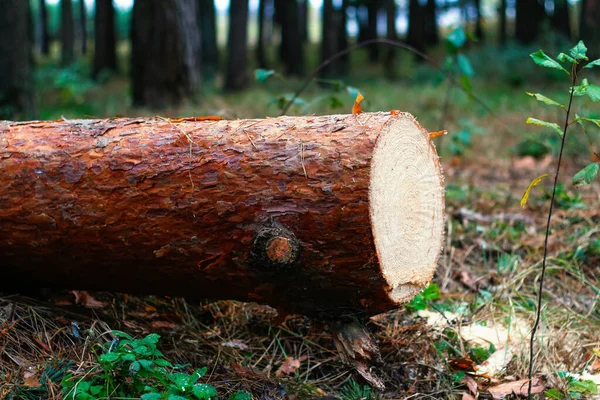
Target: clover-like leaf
point(539, 122)
point(204, 392)
point(586, 175)
point(543, 60)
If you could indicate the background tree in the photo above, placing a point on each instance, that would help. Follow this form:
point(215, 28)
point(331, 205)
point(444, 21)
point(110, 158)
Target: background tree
point(390, 58)
point(83, 26)
point(16, 85)
point(43, 28)
point(165, 52)
point(590, 26)
point(105, 50)
point(334, 39)
point(560, 18)
point(67, 32)
point(478, 20)
point(415, 36)
point(291, 50)
point(208, 37)
point(264, 25)
point(502, 22)
point(430, 25)
point(530, 14)
point(236, 77)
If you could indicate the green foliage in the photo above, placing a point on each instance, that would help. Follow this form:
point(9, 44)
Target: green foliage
point(262, 75)
point(541, 59)
point(135, 368)
point(551, 125)
point(456, 63)
point(586, 175)
point(576, 389)
point(53, 372)
point(430, 293)
point(354, 391)
point(564, 200)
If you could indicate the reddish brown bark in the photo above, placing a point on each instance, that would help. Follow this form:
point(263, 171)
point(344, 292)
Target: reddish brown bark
point(274, 211)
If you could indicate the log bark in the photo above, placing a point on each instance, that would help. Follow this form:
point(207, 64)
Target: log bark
point(316, 215)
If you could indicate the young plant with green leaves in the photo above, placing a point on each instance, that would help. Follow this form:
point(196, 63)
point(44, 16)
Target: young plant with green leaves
point(136, 368)
point(577, 63)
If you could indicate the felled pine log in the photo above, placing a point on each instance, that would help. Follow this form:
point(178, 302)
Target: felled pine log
point(316, 215)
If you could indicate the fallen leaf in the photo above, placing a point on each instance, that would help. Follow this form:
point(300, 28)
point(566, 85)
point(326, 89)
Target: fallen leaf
point(290, 365)
point(236, 344)
point(462, 364)
point(150, 309)
point(437, 134)
point(31, 380)
point(85, 299)
point(517, 387)
point(356, 107)
point(471, 383)
point(467, 396)
point(163, 324)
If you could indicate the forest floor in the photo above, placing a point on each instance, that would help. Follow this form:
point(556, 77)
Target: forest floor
point(466, 335)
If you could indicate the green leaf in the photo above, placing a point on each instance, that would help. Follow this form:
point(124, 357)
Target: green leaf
point(162, 362)
point(199, 373)
point(592, 120)
point(562, 57)
point(334, 103)
point(592, 64)
point(109, 357)
point(544, 99)
point(578, 52)
point(176, 397)
point(147, 364)
point(240, 396)
point(586, 175)
point(584, 387)
point(262, 75)
point(204, 392)
point(122, 334)
point(180, 379)
point(94, 390)
point(152, 338)
point(587, 89)
point(128, 357)
point(554, 394)
point(541, 59)
point(465, 82)
point(151, 396)
point(456, 39)
point(539, 122)
point(533, 184)
point(134, 368)
point(464, 65)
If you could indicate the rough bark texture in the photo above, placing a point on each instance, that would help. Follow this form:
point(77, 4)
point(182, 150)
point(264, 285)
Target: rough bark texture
point(105, 50)
point(16, 80)
point(67, 32)
point(165, 62)
point(208, 35)
point(236, 77)
point(275, 211)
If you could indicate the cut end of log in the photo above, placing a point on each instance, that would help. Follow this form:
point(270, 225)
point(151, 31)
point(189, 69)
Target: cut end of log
point(407, 206)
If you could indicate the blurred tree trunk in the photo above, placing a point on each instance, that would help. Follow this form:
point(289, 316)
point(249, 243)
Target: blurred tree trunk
point(304, 19)
point(329, 40)
point(502, 22)
point(390, 59)
point(165, 52)
point(83, 26)
point(530, 14)
point(342, 63)
point(261, 55)
point(67, 32)
point(590, 27)
point(16, 78)
point(105, 42)
point(371, 31)
point(209, 52)
point(430, 24)
point(416, 21)
point(237, 47)
point(44, 36)
point(291, 50)
point(560, 18)
point(478, 23)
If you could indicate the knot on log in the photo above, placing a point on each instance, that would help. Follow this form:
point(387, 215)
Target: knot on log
point(275, 248)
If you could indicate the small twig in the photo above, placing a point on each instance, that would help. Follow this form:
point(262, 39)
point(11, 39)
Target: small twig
point(302, 159)
point(541, 284)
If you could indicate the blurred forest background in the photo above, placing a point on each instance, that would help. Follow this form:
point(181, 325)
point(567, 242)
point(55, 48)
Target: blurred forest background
point(85, 58)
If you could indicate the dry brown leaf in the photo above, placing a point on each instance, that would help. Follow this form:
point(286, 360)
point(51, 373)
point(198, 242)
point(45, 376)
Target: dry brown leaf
point(517, 387)
point(433, 135)
point(85, 299)
point(471, 383)
point(290, 365)
point(163, 324)
point(31, 380)
point(356, 107)
point(467, 396)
